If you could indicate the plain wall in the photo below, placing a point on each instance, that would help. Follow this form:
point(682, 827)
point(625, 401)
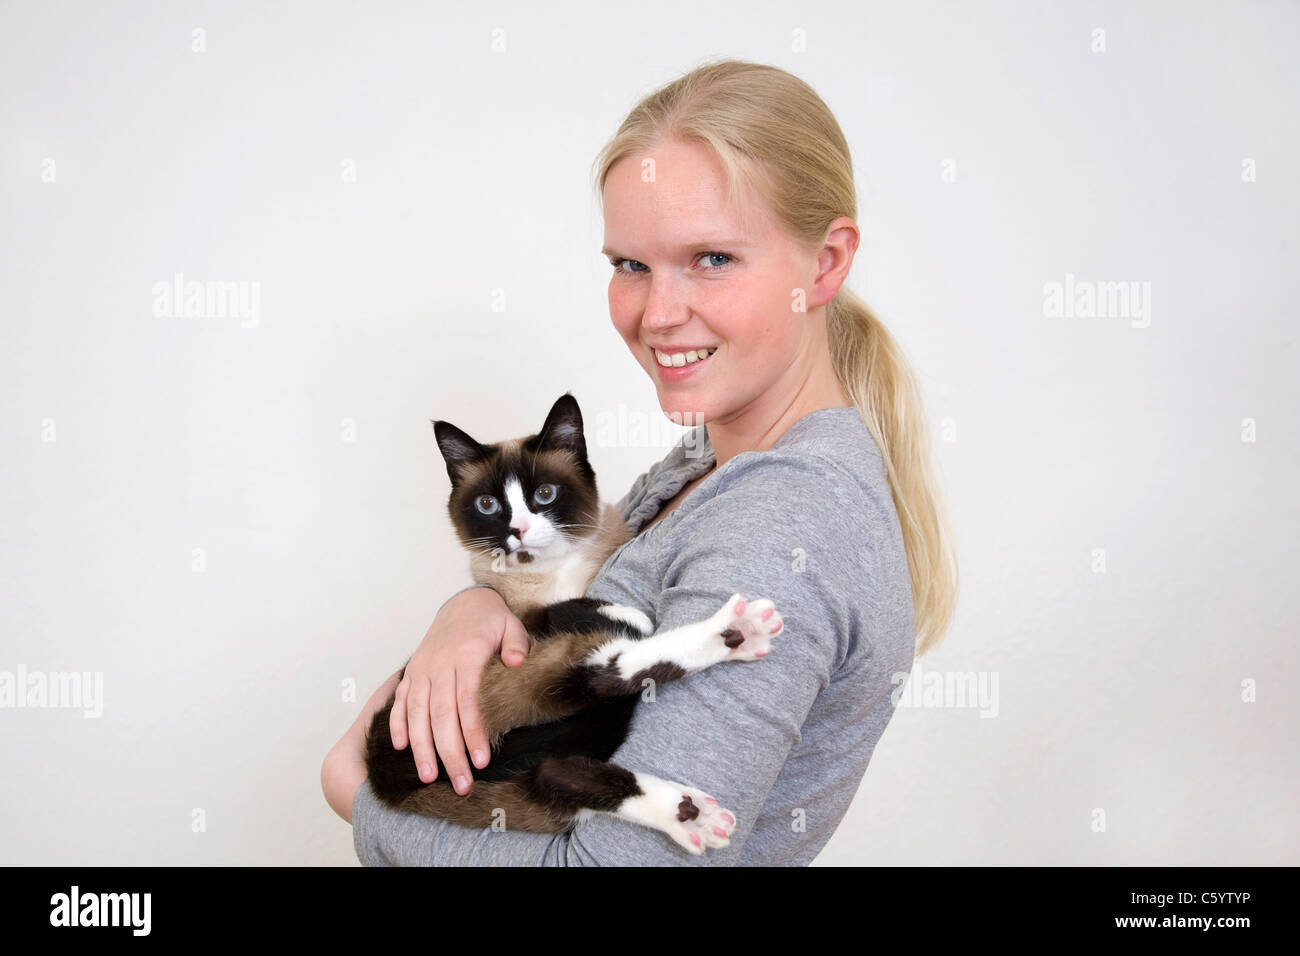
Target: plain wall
point(459, 277)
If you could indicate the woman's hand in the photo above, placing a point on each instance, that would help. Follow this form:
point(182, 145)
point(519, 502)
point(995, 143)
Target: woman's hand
point(437, 699)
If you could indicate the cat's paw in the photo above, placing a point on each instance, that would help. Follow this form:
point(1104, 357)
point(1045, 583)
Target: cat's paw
point(702, 823)
point(747, 627)
point(695, 821)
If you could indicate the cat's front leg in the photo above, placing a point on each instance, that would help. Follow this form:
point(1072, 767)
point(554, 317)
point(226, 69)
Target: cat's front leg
point(739, 631)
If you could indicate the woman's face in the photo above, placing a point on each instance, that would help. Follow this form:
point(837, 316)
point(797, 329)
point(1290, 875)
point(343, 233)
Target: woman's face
point(693, 277)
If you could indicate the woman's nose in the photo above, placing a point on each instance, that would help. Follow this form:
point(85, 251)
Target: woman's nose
point(664, 306)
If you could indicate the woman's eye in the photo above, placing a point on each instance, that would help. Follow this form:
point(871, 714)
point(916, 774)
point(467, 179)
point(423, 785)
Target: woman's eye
point(488, 505)
point(544, 494)
point(618, 266)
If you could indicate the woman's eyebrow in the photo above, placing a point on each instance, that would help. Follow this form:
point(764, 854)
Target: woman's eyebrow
point(700, 244)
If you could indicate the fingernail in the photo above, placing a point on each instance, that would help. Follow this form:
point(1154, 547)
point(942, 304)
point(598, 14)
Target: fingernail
point(480, 758)
point(462, 784)
point(426, 772)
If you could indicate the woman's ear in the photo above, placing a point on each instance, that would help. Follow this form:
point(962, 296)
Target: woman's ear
point(834, 260)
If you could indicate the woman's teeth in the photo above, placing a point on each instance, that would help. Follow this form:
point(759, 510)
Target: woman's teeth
point(682, 358)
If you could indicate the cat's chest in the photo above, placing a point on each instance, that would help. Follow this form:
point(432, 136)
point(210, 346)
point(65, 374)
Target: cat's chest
point(569, 580)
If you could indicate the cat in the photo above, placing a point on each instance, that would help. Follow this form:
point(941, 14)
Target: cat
point(528, 512)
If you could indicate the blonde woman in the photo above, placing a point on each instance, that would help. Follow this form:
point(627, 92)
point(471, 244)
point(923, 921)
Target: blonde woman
point(729, 207)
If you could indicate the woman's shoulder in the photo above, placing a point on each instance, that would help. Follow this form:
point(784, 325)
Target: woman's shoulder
point(811, 522)
point(827, 468)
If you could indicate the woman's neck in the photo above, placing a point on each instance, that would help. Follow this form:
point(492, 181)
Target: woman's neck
point(760, 424)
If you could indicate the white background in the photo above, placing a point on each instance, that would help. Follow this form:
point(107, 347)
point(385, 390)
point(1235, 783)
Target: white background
point(326, 559)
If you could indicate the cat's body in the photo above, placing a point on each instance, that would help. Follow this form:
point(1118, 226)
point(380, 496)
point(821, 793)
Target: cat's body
point(529, 513)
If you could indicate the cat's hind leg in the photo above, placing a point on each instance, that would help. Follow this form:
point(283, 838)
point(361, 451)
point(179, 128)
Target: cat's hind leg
point(580, 786)
point(555, 794)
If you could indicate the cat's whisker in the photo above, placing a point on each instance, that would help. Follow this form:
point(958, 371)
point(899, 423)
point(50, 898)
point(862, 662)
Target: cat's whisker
point(578, 524)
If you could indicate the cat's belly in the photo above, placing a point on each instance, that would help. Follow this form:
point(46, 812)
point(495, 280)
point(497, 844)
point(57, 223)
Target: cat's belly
point(596, 732)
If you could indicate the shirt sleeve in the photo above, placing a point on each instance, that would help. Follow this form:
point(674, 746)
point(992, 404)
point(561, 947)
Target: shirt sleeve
point(462, 591)
point(726, 730)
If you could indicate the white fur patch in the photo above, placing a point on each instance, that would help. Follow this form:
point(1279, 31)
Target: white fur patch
point(629, 615)
point(541, 533)
point(694, 647)
point(658, 807)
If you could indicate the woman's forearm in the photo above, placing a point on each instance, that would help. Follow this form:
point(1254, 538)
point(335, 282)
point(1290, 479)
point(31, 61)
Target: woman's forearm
point(344, 767)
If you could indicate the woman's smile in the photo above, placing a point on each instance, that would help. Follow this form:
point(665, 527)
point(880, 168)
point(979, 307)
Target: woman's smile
point(677, 364)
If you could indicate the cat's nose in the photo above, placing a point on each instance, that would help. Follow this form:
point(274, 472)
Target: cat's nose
point(521, 531)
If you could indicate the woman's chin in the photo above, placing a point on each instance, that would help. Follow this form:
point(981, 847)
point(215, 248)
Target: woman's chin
point(675, 411)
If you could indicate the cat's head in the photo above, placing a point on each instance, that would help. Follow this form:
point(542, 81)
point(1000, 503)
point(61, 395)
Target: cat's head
point(526, 498)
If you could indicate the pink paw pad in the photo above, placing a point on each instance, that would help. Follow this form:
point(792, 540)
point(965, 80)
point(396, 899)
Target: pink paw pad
point(707, 827)
point(747, 627)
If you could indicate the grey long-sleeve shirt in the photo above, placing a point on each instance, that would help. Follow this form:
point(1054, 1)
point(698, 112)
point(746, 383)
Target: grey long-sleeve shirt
point(782, 742)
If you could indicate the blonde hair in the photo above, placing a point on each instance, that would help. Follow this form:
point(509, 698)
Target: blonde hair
point(772, 133)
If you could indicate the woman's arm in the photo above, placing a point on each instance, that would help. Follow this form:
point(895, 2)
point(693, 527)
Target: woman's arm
point(727, 730)
point(344, 768)
point(435, 697)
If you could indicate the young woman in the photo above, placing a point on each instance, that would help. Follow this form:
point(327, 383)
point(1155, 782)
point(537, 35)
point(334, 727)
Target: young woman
point(729, 208)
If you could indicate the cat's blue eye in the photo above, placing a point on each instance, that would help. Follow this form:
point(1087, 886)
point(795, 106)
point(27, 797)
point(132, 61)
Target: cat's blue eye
point(545, 494)
point(487, 505)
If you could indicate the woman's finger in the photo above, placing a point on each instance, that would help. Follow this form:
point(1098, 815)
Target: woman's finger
point(397, 716)
point(417, 714)
point(515, 642)
point(471, 724)
point(446, 731)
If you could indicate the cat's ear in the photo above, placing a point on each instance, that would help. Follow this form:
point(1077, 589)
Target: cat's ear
point(457, 448)
point(563, 428)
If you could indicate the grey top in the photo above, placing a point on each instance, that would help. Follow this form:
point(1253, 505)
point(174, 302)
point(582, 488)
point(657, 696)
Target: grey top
point(782, 742)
